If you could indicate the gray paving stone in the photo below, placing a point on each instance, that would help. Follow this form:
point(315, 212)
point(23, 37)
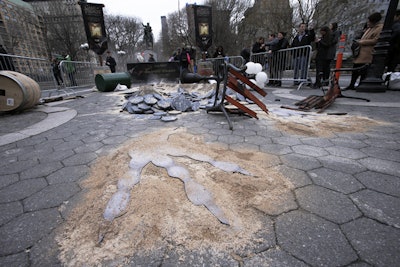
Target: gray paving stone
point(382, 153)
point(68, 145)
point(273, 257)
point(68, 174)
point(35, 154)
point(22, 232)
point(297, 177)
point(384, 143)
point(113, 140)
point(342, 164)
point(349, 143)
point(257, 140)
point(18, 166)
point(41, 170)
point(318, 142)
point(313, 240)
point(377, 244)
point(230, 139)
point(45, 252)
point(335, 180)
point(384, 166)
point(90, 147)
point(345, 152)
point(21, 190)
point(15, 260)
point(80, 159)
point(275, 149)
point(9, 211)
point(6, 180)
point(244, 132)
point(51, 196)
point(308, 150)
point(378, 206)
point(301, 162)
point(380, 182)
point(286, 140)
point(328, 204)
point(56, 156)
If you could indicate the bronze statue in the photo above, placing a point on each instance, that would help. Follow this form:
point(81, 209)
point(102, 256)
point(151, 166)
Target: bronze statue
point(148, 36)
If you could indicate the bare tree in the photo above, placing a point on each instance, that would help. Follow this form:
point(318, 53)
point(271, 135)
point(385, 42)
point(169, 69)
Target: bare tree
point(65, 30)
point(124, 33)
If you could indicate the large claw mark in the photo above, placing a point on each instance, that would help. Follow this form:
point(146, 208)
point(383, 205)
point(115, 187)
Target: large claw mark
point(195, 192)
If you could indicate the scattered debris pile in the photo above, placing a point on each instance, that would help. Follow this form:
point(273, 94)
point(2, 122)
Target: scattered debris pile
point(161, 105)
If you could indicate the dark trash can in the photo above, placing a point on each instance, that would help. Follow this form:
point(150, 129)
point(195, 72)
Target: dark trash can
point(106, 82)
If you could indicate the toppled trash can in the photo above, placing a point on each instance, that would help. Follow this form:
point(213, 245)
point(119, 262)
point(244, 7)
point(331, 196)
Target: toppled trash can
point(106, 82)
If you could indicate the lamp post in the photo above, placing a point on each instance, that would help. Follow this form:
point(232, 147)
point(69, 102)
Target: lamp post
point(373, 83)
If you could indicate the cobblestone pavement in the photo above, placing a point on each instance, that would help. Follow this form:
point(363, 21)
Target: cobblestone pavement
point(344, 209)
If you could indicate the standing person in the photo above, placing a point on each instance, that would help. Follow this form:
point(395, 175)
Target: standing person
point(219, 52)
point(393, 57)
point(367, 43)
point(151, 58)
point(303, 37)
point(110, 61)
point(278, 62)
point(70, 69)
point(322, 60)
point(259, 47)
point(335, 37)
point(56, 71)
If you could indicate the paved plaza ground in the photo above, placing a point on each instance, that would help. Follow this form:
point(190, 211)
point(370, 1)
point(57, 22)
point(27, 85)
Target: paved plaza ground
point(322, 190)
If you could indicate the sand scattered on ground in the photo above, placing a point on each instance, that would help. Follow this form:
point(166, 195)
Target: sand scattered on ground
point(159, 212)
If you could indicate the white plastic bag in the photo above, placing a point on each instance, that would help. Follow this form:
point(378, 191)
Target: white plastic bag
point(393, 80)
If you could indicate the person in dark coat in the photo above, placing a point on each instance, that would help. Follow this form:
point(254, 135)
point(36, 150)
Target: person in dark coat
point(56, 71)
point(5, 61)
point(322, 59)
point(303, 37)
point(219, 52)
point(278, 60)
point(393, 57)
point(110, 61)
point(335, 37)
point(259, 47)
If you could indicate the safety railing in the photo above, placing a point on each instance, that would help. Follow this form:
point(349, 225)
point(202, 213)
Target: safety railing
point(291, 64)
point(236, 61)
point(73, 74)
point(38, 69)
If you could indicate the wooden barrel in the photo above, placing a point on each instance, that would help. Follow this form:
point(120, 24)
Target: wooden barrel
point(17, 91)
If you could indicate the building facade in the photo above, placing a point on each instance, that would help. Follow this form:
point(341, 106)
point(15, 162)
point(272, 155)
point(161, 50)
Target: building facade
point(22, 32)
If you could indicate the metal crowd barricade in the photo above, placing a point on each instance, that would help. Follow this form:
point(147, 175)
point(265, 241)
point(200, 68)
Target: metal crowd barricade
point(236, 61)
point(38, 69)
point(41, 70)
point(77, 73)
point(290, 65)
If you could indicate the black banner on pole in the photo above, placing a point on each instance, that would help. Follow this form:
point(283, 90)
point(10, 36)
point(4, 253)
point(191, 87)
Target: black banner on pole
point(94, 26)
point(203, 26)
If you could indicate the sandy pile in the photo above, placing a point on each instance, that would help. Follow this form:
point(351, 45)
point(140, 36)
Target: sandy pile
point(159, 211)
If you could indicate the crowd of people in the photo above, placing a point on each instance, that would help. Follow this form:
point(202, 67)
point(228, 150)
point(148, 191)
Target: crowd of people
point(324, 43)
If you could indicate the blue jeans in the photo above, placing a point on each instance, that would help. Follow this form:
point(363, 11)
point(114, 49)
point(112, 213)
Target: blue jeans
point(300, 64)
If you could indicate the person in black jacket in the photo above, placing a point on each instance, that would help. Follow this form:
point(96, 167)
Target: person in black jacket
point(393, 57)
point(322, 59)
point(278, 59)
point(259, 47)
point(110, 61)
point(304, 37)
